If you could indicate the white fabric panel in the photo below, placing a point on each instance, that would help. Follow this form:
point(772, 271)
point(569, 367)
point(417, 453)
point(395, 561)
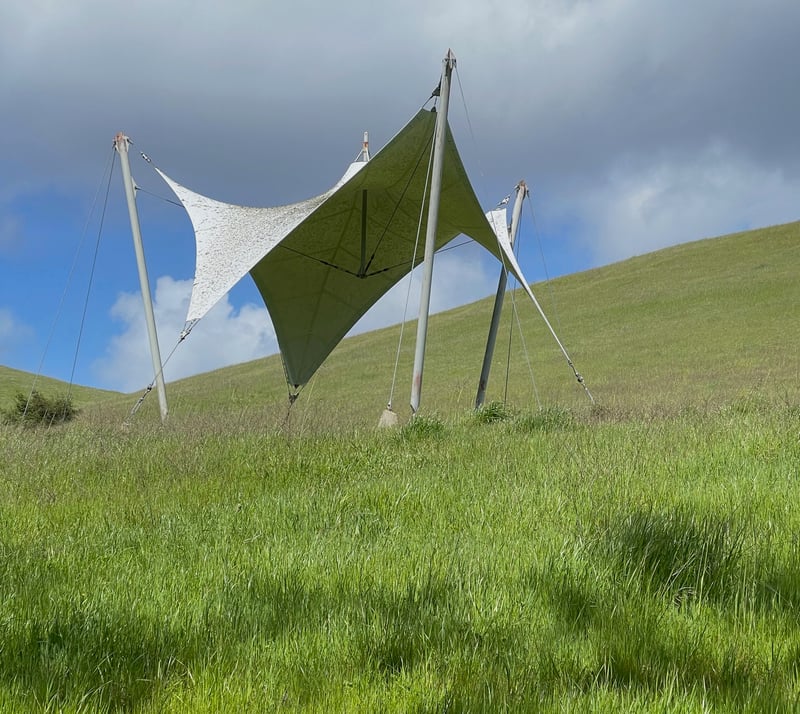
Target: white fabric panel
point(231, 239)
point(498, 220)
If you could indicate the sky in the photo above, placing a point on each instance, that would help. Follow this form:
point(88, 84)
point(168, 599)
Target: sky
point(637, 124)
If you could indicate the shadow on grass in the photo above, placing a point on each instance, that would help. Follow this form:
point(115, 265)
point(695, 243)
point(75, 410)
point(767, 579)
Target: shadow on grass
point(634, 641)
point(89, 657)
point(427, 627)
point(632, 598)
point(687, 557)
point(107, 662)
point(95, 657)
point(677, 553)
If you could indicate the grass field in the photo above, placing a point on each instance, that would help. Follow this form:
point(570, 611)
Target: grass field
point(638, 555)
point(537, 563)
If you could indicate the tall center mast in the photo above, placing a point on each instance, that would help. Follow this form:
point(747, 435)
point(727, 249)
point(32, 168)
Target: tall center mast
point(440, 136)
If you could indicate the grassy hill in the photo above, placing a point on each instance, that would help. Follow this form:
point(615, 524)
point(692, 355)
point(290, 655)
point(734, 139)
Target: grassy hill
point(14, 381)
point(695, 325)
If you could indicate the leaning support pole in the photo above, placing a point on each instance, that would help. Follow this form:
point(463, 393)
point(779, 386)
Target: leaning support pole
point(522, 192)
point(440, 136)
point(121, 144)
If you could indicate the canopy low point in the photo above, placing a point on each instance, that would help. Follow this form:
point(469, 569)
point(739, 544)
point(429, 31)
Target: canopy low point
point(322, 263)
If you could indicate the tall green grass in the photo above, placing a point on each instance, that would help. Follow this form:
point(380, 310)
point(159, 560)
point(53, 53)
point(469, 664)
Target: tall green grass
point(547, 561)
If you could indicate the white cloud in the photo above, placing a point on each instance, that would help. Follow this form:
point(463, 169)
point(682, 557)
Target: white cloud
point(644, 208)
point(225, 336)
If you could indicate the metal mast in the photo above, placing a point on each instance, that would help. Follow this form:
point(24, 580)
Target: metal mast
point(121, 144)
point(440, 135)
point(522, 192)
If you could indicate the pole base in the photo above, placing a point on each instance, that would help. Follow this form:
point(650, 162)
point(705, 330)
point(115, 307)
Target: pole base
point(388, 419)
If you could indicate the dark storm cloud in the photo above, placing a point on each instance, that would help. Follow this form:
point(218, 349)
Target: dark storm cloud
point(264, 103)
